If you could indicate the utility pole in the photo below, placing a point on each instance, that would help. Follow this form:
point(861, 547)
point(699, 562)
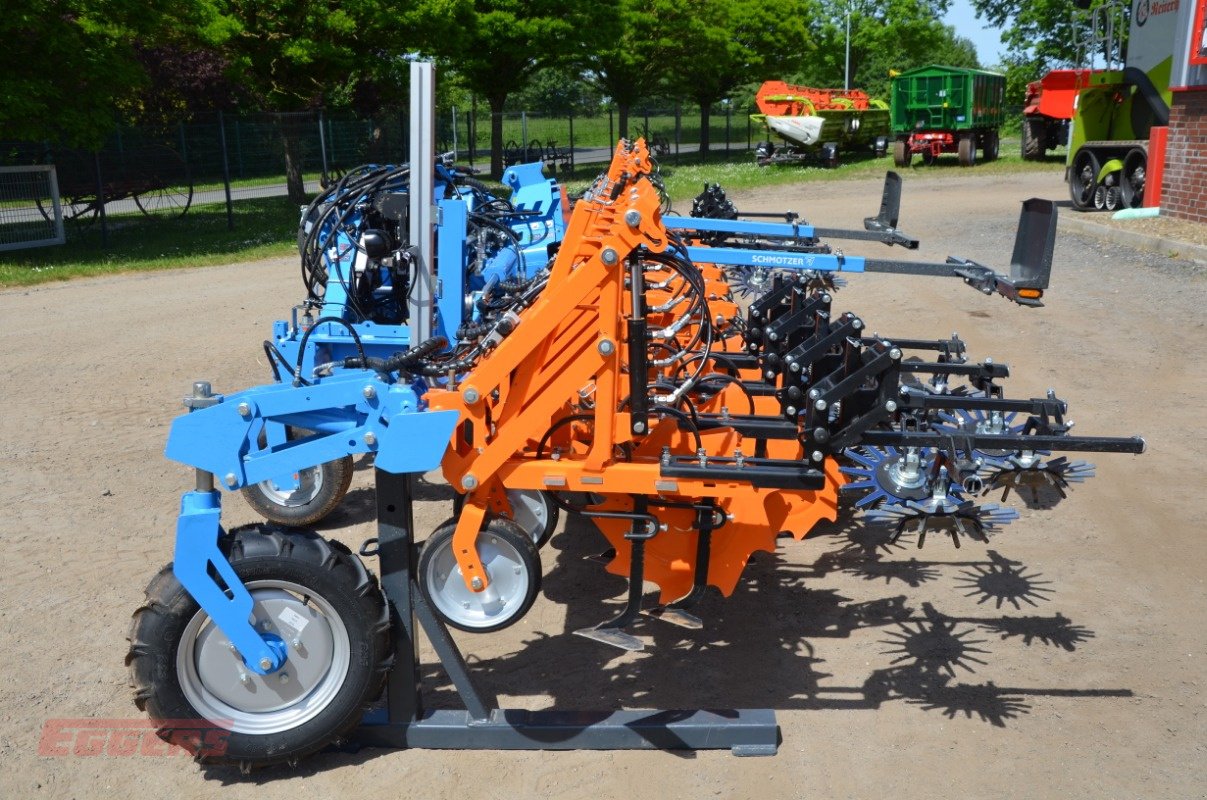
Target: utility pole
point(846, 75)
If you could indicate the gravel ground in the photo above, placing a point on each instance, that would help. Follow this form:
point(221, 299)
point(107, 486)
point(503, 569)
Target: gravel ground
point(1063, 660)
point(1166, 227)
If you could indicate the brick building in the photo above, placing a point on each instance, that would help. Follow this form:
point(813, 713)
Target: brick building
point(1184, 182)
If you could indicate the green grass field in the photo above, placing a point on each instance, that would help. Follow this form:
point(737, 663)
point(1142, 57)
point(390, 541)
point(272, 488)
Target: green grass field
point(268, 227)
point(263, 228)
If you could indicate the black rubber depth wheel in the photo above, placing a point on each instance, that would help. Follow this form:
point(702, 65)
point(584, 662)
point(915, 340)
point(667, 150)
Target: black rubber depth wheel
point(967, 151)
point(512, 564)
point(312, 593)
point(1083, 179)
point(319, 491)
point(902, 154)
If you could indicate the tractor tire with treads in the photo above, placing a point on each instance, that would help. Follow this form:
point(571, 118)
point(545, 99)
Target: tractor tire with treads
point(1034, 135)
point(312, 593)
point(967, 150)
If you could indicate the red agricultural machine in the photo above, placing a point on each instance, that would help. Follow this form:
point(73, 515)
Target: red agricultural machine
point(1049, 109)
point(817, 123)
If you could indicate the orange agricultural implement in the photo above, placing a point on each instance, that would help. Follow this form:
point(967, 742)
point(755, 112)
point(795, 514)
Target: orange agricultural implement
point(622, 382)
point(587, 334)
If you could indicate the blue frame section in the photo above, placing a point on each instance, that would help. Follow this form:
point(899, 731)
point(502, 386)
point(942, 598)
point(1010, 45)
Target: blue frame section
point(350, 412)
point(776, 259)
point(537, 224)
point(540, 222)
point(451, 259)
point(227, 602)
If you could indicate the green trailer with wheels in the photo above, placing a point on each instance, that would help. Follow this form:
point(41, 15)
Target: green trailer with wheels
point(938, 109)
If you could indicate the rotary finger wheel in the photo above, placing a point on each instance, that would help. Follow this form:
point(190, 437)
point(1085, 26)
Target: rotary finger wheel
point(891, 476)
point(1032, 472)
point(752, 282)
point(993, 423)
point(823, 281)
point(943, 511)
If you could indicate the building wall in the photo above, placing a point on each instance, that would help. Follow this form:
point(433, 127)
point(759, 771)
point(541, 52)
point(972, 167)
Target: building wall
point(1184, 188)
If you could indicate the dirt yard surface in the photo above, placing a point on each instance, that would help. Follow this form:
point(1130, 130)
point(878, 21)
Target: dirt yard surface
point(1166, 227)
point(1065, 659)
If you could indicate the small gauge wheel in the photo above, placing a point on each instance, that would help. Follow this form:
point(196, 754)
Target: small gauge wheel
point(535, 512)
point(512, 564)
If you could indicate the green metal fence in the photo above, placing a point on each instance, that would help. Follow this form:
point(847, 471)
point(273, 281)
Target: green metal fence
point(164, 170)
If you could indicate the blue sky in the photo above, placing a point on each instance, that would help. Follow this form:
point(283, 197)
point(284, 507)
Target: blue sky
point(987, 40)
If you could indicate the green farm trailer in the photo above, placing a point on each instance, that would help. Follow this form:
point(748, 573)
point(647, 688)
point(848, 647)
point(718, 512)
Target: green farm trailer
point(937, 109)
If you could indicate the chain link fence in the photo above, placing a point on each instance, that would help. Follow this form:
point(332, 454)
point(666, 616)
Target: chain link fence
point(567, 141)
point(161, 172)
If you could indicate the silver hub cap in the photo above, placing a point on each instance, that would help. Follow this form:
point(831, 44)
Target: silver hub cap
point(297, 490)
point(498, 602)
point(220, 687)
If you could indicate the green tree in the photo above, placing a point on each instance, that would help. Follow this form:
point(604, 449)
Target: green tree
point(885, 36)
point(69, 65)
point(632, 65)
point(182, 82)
point(1042, 34)
point(558, 91)
point(721, 44)
point(1019, 72)
point(294, 55)
point(497, 49)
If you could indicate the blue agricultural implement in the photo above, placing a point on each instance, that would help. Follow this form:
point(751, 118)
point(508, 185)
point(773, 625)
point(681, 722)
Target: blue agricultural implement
point(358, 270)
